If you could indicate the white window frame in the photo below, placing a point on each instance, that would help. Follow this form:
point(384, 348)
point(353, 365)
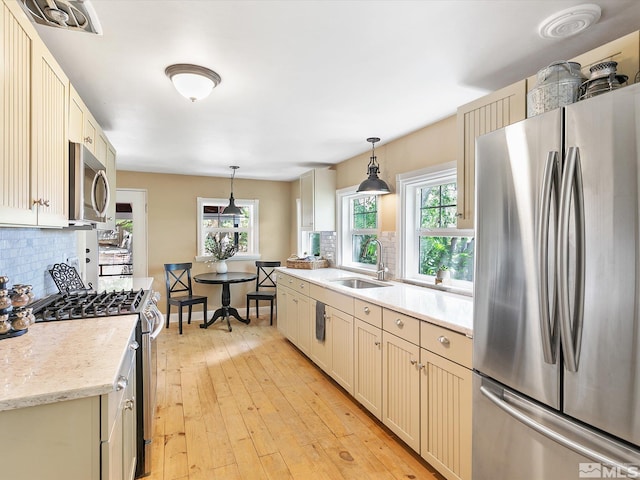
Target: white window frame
point(252, 229)
point(408, 188)
point(345, 231)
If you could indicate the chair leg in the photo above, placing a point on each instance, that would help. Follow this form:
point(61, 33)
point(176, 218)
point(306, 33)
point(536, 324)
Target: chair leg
point(257, 312)
point(180, 321)
point(247, 307)
point(168, 314)
point(189, 319)
point(271, 318)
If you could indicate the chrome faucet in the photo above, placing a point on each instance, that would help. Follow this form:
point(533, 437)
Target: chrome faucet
point(381, 269)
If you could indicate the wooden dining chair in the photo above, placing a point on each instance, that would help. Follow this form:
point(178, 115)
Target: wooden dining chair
point(265, 286)
point(179, 292)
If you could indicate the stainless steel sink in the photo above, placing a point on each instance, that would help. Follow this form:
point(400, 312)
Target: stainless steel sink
point(359, 283)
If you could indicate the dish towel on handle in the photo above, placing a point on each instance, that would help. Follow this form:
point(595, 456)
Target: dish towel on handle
point(320, 320)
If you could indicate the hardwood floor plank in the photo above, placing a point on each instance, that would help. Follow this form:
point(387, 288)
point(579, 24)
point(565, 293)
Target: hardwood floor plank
point(247, 404)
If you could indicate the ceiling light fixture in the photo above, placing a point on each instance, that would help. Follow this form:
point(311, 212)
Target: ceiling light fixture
point(231, 209)
point(192, 81)
point(570, 21)
point(373, 184)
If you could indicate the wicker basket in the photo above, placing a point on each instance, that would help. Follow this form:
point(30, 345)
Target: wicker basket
point(307, 264)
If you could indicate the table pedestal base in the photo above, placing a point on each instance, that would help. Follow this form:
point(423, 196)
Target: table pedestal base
point(225, 311)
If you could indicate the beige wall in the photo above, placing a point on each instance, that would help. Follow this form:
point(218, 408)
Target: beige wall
point(431, 145)
point(172, 223)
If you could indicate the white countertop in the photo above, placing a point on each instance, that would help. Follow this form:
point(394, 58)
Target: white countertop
point(63, 360)
point(110, 284)
point(448, 310)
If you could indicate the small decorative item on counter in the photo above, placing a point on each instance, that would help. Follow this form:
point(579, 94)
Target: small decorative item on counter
point(5, 324)
point(14, 317)
point(20, 297)
point(5, 301)
point(603, 79)
point(557, 85)
point(309, 262)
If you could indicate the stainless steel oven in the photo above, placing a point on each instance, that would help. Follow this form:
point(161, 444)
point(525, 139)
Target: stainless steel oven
point(152, 322)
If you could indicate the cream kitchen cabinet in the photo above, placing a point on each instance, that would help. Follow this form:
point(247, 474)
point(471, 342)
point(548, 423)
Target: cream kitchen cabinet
point(294, 316)
point(445, 391)
point(484, 115)
point(33, 146)
point(336, 354)
point(367, 343)
point(401, 376)
point(92, 438)
point(318, 200)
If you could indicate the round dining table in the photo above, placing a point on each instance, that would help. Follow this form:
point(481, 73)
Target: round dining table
point(225, 279)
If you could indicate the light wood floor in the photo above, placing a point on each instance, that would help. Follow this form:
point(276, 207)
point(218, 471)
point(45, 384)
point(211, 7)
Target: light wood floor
point(248, 405)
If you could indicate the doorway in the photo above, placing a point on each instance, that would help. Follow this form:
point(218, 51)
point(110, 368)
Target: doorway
point(131, 219)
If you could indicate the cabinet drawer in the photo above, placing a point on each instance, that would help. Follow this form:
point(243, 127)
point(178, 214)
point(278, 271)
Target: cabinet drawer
point(368, 312)
point(293, 283)
point(401, 325)
point(446, 343)
point(337, 300)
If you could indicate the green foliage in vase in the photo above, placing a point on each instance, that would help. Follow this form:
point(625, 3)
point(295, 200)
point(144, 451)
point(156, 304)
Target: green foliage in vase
point(219, 249)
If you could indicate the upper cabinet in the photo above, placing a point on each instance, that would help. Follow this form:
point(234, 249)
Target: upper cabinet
point(489, 113)
point(33, 145)
point(318, 200)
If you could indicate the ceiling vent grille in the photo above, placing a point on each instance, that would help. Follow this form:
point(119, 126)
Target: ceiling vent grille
point(76, 15)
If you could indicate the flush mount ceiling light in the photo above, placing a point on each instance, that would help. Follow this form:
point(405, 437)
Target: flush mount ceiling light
point(192, 81)
point(570, 21)
point(231, 209)
point(373, 184)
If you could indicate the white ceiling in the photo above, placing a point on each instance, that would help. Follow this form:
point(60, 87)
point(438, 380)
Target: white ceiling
point(304, 82)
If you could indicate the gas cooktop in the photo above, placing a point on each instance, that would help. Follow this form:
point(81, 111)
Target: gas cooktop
point(90, 304)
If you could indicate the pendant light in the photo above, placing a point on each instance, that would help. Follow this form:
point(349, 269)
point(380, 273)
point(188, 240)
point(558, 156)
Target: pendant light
point(192, 81)
point(373, 184)
point(231, 209)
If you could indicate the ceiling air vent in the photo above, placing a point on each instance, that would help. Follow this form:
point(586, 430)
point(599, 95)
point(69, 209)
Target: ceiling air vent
point(77, 15)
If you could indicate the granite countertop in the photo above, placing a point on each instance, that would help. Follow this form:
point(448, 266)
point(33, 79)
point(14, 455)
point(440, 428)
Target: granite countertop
point(448, 310)
point(124, 283)
point(56, 361)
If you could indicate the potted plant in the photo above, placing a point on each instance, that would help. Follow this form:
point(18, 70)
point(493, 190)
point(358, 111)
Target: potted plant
point(220, 250)
point(443, 275)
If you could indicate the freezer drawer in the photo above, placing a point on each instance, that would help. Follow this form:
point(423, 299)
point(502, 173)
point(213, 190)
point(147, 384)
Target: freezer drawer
point(505, 446)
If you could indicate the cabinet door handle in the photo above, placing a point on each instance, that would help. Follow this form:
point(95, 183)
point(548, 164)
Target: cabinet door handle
point(421, 366)
point(366, 310)
point(413, 362)
point(377, 344)
point(444, 340)
point(42, 202)
point(129, 404)
point(88, 140)
point(399, 323)
point(134, 345)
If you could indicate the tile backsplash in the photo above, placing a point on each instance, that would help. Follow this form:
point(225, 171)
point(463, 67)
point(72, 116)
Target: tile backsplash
point(27, 253)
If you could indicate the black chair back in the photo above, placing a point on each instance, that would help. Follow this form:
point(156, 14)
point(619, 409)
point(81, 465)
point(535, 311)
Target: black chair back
point(178, 278)
point(266, 276)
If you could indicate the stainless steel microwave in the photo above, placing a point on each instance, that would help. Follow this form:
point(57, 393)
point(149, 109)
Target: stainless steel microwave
point(89, 192)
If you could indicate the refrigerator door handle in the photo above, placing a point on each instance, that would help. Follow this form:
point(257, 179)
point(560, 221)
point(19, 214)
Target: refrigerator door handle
point(549, 193)
point(571, 325)
point(503, 404)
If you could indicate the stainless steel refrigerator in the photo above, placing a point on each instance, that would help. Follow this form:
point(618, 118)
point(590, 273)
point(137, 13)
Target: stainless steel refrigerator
point(557, 294)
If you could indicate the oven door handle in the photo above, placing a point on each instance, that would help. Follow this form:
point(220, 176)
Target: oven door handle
point(158, 323)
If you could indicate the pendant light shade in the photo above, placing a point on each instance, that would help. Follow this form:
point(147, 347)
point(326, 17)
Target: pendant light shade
point(232, 209)
point(192, 81)
point(373, 184)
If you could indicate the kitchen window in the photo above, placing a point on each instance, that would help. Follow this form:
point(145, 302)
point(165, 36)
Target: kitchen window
point(359, 221)
point(241, 230)
point(429, 238)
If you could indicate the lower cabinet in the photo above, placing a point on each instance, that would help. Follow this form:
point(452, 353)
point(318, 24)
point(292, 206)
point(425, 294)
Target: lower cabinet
point(341, 333)
point(367, 382)
point(401, 388)
point(92, 438)
point(445, 415)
